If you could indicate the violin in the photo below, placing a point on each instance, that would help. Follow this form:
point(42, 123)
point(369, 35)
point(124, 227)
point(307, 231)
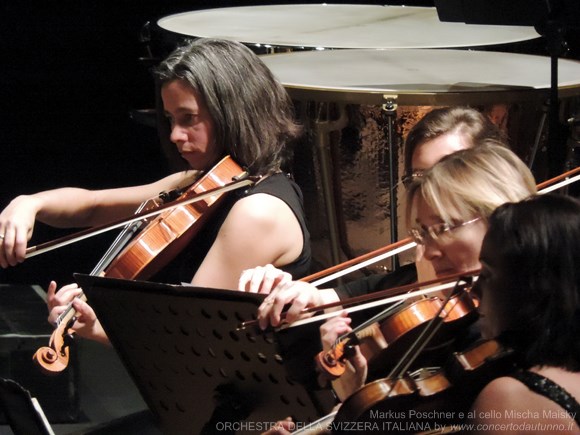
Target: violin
point(427, 398)
point(148, 252)
point(374, 404)
point(399, 330)
point(389, 404)
point(331, 364)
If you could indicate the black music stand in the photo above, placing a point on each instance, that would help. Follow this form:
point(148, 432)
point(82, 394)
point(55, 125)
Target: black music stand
point(551, 19)
point(22, 411)
point(197, 373)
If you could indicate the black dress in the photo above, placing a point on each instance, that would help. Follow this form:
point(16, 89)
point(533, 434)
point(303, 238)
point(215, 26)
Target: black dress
point(545, 387)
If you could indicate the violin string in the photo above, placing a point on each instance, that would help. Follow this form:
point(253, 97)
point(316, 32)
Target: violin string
point(438, 321)
point(426, 335)
point(376, 318)
point(120, 241)
point(117, 244)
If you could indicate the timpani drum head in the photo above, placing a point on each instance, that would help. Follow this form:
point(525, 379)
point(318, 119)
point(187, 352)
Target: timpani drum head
point(420, 76)
point(306, 26)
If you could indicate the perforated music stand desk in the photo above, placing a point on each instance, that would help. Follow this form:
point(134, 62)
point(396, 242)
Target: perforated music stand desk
point(196, 372)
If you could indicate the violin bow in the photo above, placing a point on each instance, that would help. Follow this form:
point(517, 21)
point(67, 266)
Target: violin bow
point(357, 263)
point(91, 232)
point(360, 303)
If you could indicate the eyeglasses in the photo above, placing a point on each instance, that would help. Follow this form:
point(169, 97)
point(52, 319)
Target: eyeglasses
point(434, 232)
point(409, 178)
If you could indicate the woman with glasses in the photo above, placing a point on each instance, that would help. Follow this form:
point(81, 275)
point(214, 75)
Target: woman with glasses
point(448, 211)
point(449, 205)
point(439, 133)
point(529, 293)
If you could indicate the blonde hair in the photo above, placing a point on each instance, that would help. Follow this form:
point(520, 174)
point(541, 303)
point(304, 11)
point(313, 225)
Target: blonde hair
point(472, 183)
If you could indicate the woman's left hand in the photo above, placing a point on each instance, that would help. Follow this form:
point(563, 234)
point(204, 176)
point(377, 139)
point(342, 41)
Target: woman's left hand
point(86, 324)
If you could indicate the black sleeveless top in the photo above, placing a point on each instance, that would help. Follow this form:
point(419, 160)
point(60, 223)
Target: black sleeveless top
point(184, 266)
point(545, 387)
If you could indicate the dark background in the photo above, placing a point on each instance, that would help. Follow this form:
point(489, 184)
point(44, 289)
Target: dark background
point(69, 78)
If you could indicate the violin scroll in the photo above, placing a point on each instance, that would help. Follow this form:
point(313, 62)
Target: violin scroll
point(331, 363)
point(54, 358)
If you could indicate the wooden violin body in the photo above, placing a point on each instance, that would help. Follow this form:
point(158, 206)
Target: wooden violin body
point(404, 328)
point(398, 331)
point(427, 397)
point(480, 363)
point(409, 404)
point(169, 233)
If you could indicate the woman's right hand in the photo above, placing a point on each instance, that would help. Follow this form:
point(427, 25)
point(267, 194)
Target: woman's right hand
point(282, 291)
point(86, 325)
point(16, 227)
point(262, 279)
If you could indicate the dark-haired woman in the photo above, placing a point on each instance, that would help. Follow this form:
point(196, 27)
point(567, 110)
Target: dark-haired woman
point(529, 289)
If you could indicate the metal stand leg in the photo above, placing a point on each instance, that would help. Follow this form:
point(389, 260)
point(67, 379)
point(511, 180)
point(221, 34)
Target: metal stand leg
point(573, 144)
point(322, 129)
point(390, 108)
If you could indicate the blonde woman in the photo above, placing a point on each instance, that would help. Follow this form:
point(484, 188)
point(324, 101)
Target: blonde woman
point(448, 210)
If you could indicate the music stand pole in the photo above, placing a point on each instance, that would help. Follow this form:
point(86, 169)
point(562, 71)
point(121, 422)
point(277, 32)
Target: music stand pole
point(556, 46)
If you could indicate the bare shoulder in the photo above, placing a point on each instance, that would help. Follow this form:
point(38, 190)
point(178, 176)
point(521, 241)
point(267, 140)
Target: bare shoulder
point(501, 392)
point(266, 223)
point(499, 402)
point(508, 403)
point(262, 209)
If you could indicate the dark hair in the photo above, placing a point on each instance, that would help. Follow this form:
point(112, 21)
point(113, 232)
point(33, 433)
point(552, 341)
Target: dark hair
point(538, 241)
point(252, 113)
point(463, 120)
